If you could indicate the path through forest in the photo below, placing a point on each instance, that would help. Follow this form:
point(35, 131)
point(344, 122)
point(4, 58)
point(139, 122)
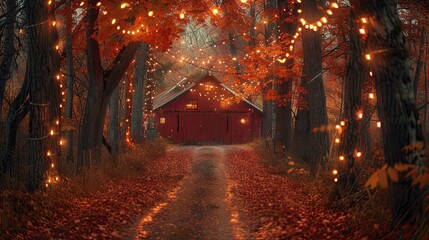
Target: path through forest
point(198, 208)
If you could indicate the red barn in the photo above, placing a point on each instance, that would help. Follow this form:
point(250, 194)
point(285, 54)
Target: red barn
point(206, 111)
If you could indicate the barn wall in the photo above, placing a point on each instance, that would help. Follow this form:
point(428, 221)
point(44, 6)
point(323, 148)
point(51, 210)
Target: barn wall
point(211, 122)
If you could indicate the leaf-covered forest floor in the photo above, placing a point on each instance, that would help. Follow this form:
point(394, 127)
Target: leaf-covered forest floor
point(209, 192)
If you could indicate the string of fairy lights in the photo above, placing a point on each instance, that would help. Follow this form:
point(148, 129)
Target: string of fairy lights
point(343, 124)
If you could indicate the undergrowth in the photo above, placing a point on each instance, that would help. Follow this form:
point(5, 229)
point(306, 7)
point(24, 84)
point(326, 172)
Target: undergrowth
point(369, 208)
point(16, 205)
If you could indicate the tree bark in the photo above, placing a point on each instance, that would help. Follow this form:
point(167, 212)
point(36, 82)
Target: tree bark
point(17, 111)
point(39, 72)
point(396, 103)
point(355, 77)
point(101, 86)
point(419, 64)
point(70, 82)
point(114, 122)
point(137, 134)
point(317, 145)
point(9, 51)
point(283, 119)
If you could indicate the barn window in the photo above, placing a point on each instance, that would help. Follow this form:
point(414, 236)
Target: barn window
point(162, 120)
point(208, 87)
point(192, 105)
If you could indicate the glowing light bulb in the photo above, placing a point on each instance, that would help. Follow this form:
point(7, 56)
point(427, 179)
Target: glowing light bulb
point(335, 179)
point(215, 11)
point(150, 13)
point(362, 31)
point(335, 5)
point(379, 124)
point(368, 57)
point(113, 21)
point(324, 19)
point(358, 154)
point(182, 16)
point(124, 5)
point(337, 140)
point(364, 20)
point(341, 158)
point(329, 12)
point(371, 95)
point(335, 172)
point(98, 4)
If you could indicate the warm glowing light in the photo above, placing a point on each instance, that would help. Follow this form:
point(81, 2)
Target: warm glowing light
point(358, 154)
point(335, 5)
point(329, 12)
point(364, 20)
point(150, 13)
point(337, 126)
point(335, 172)
point(242, 121)
point(337, 140)
point(343, 123)
point(335, 179)
point(370, 73)
point(368, 57)
point(360, 115)
point(48, 153)
point(124, 5)
point(379, 124)
point(362, 31)
point(243, 1)
point(54, 23)
point(52, 165)
point(113, 21)
point(341, 158)
point(51, 133)
point(98, 4)
point(371, 95)
point(324, 19)
point(215, 11)
point(182, 16)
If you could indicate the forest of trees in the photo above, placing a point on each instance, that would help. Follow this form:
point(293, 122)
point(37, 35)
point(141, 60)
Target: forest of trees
point(339, 82)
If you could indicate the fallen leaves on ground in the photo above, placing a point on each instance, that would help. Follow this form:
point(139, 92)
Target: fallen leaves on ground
point(105, 214)
point(275, 207)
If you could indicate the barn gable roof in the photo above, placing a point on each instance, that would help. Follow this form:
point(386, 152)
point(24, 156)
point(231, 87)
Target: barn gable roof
point(184, 86)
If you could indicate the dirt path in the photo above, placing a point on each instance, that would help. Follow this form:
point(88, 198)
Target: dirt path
point(197, 209)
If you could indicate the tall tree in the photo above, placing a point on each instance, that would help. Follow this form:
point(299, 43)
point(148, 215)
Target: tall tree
point(355, 77)
point(70, 78)
point(283, 133)
point(9, 50)
point(39, 74)
point(310, 144)
point(386, 47)
point(138, 93)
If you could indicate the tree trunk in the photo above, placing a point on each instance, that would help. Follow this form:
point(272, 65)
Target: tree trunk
point(268, 108)
point(101, 86)
point(283, 119)
point(70, 82)
point(17, 111)
point(39, 73)
point(137, 134)
point(9, 51)
point(396, 103)
point(419, 64)
point(355, 77)
point(114, 122)
point(317, 143)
